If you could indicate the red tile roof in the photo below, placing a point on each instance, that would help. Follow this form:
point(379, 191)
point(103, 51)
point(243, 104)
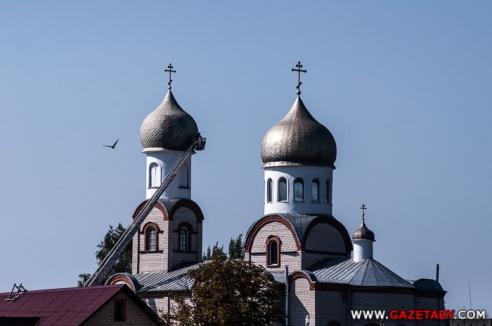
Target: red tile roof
point(68, 306)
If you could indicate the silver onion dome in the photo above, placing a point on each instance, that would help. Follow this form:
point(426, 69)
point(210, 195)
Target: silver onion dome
point(168, 127)
point(363, 233)
point(298, 139)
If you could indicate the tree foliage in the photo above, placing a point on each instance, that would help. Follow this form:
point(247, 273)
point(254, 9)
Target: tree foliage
point(235, 250)
point(123, 264)
point(215, 252)
point(229, 292)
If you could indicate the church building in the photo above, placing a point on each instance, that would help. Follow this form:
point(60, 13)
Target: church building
point(329, 271)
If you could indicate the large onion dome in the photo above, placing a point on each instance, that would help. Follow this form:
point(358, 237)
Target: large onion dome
point(168, 127)
point(298, 139)
point(363, 233)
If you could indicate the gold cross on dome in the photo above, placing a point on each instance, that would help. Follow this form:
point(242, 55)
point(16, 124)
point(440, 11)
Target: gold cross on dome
point(170, 70)
point(363, 207)
point(299, 70)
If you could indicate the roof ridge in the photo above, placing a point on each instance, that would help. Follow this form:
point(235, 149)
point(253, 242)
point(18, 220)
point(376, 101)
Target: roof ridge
point(75, 288)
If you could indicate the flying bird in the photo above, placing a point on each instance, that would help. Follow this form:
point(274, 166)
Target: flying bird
point(112, 146)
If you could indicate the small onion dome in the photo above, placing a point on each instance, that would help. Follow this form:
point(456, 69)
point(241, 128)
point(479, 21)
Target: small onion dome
point(363, 233)
point(298, 139)
point(168, 127)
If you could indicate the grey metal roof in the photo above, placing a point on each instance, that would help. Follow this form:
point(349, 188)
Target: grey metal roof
point(165, 281)
point(298, 139)
point(168, 126)
point(368, 272)
point(427, 284)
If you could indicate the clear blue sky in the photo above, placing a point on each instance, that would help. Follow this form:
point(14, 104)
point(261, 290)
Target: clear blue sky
point(404, 86)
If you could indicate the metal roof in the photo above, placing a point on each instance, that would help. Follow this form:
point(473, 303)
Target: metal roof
point(168, 126)
point(363, 233)
point(298, 139)
point(176, 280)
point(67, 306)
point(368, 272)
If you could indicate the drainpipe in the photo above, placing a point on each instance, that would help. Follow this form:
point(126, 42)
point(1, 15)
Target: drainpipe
point(286, 295)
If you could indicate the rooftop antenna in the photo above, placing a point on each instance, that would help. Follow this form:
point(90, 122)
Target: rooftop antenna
point(170, 70)
point(13, 296)
point(437, 273)
point(299, 70)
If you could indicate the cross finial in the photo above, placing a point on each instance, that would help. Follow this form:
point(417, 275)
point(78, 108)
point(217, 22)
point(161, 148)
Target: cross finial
point(363, 207)
point(170, 70)
point(299, 70)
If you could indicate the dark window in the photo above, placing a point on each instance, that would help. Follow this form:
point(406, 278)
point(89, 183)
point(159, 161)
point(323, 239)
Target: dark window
point(151, 234)
point(184, 239)
point(315, 191)
point(273, 251)
point(119, 310)
point(282, 189)
point(269, 190)
point(328, 191)
point(299, 190)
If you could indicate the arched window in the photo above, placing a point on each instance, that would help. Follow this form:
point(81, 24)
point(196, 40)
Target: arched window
point(184, 239)
point(184, 177)
point(328, 191)
point(282, 189)
point(154, 175)
point(315, 191)
point(269, 190)
point(150, 232)
point(299, 190)
point(273, 251)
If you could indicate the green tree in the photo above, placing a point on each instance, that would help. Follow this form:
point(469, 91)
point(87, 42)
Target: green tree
point(236, 248)
point(123, 264)
point(216, 251)
point(229, 292)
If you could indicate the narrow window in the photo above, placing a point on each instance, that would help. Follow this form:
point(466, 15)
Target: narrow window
point(328, 191)
point(184, 177)
point(184, 235)
point(315, 191)
point(282, 189)
point(269, 190)
point(119, 310)
point(154, 175)
point(273, 251)
point(299, 190)
point(150, 239)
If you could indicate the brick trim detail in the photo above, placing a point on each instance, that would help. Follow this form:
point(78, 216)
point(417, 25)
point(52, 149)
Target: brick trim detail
point(158, 205)
point(188, 204)
point(300, 274)
point(267, 220)
point(121, 278)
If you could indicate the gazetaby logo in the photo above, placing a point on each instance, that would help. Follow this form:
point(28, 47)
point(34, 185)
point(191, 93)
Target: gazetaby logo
point(421, 314)
point(417, 314)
